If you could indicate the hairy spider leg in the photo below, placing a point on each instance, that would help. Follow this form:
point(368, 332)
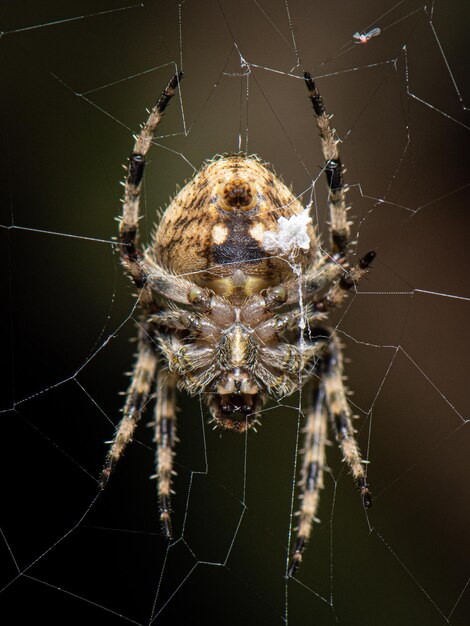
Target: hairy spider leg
point(330, 266)
point(133, 259)
point(165, 438)
point(311, 475)
point(339, 225)
point(137, 395)
point(329, 401)
point(339, 289)
point(335, 267)
point(341, 417)
point(148, 275)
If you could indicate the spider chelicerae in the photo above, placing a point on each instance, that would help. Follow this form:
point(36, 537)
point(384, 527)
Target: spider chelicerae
point(233, 293)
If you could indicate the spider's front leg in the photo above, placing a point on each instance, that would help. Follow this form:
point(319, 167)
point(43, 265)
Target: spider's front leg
point(137, 395)
point(341, 417)
point(165, 437)
point(329, 401)
point(311, 477)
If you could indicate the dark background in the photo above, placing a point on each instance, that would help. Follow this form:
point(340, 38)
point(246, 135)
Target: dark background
point(67, 116)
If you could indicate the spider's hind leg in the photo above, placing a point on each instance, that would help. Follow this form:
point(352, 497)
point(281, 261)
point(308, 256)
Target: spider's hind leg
point(132, 257)
point(338, 210)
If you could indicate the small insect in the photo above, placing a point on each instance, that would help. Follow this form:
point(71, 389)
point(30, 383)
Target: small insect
point(221, 315)
point(366, 37)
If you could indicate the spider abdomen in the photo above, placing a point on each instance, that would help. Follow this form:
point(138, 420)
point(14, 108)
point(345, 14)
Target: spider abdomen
point(213, 230)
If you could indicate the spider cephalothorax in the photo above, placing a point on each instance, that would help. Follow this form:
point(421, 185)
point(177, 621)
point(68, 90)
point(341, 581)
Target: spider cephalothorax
point(233, 278)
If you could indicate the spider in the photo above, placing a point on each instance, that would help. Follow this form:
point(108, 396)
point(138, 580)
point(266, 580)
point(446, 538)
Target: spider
point(233, 276)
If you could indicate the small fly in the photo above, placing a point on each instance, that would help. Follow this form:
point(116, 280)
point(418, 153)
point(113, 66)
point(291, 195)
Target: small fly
point(366, 37)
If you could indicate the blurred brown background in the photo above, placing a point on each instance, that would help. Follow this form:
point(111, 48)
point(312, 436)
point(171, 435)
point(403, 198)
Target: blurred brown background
point(72, 94)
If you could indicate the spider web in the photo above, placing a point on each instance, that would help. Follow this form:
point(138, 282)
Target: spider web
point(77, 80)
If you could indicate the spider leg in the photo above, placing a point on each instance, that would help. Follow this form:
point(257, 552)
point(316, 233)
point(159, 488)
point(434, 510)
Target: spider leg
point(288, 358)
point(311, 481)
point(317, 276)
point(329, 400)
point(136, 399)
point(339, 225)
point(196, 365)
point(184, 320)
point(132, 258)
point(341, 417)
point(332, 278)
point(333, 273)
point(165, 437)
point(339, 289)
